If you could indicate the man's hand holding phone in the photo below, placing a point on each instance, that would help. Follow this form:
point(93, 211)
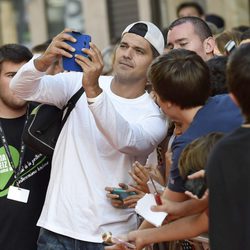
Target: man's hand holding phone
point(118, 195)
point(82, 42)
point(57, 48)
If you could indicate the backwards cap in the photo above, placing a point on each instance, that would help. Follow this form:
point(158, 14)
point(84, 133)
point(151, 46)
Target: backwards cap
point(149, 31)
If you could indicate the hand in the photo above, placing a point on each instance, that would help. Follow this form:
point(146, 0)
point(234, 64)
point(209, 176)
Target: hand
point(57, 48)
point(131, 200)
point(168, 161)
point(167, 206)
point(136, 237)
point(92, 67)
point(115, 202)
point(116, 247)
point(191, 195)
point(120, 243)
point(173, 208)
point(198, 174)
point(140, 175)
point(157, 176)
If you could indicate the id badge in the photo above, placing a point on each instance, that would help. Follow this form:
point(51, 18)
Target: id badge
point(18, 194)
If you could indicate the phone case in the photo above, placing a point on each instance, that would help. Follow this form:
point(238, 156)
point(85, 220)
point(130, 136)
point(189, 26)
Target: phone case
point(122, 193)
point(83, 41)
point(196, 186)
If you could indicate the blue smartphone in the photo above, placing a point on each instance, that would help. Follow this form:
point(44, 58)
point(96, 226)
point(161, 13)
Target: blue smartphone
point(83, 41)
point(122, 193)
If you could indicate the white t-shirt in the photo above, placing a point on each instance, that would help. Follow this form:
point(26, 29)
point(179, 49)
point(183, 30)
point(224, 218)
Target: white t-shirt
point(96, 148)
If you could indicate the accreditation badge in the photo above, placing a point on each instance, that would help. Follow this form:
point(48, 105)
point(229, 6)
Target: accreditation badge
point(18, 194)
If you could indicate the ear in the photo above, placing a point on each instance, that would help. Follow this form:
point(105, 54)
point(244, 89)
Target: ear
point(168, 104)
point(233, 98)
point(209, 45)
point(165, 106)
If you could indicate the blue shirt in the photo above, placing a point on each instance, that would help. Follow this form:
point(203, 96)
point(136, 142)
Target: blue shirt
point(219, 114)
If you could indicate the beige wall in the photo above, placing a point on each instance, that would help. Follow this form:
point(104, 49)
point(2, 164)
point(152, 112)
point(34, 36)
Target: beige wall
point(235, 12)
point(38, 25)
point(144, 10)
point(8, 32)
point(96, 21)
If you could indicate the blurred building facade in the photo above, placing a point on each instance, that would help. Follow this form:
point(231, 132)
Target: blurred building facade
point(31, 22)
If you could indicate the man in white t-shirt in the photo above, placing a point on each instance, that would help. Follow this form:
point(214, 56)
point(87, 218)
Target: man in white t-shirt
point(114, 123)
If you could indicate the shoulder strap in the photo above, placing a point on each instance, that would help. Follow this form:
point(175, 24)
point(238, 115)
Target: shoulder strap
point(71, 104)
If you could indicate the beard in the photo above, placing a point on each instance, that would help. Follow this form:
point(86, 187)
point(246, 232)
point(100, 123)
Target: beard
point(13, 102)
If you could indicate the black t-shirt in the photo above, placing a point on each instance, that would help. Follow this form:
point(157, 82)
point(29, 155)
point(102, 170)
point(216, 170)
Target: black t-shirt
point(228, 173)
point(18, 220)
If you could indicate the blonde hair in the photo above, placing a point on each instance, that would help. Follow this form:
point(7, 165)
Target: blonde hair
point(223, 38)
point(194, 156)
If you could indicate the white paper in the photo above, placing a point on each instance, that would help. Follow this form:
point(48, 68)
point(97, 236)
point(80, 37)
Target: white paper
point(143, 208)
point(18, 194)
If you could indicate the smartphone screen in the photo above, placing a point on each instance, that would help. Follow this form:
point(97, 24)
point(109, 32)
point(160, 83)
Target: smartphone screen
point(83, 41)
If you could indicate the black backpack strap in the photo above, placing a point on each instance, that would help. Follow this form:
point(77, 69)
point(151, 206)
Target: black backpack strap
point(71, 104)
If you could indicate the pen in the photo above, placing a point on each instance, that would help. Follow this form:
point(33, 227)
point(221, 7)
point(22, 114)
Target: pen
point(156, 194)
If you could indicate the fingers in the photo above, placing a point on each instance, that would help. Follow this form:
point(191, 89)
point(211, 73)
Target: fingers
point(94, 54)
point(140, 169)
point(191, 195)
point(98, 54)
point(131, 201)
point(60, 46)
point(109, 194)
point(123, 185)
point(92, 65)
point(198, 174)
point(139, 174)
point(167, 206)
point(114, 198)
point(115, 247)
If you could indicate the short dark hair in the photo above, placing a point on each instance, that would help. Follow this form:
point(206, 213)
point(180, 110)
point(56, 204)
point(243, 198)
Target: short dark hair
point(40, 48)
point(194, 5)
point(181, 77)
point(217, 70)
point(238, 77)
point(201, 28)
point(15, 53)
point(245, 35)
point(154, 51)
point(241, 28)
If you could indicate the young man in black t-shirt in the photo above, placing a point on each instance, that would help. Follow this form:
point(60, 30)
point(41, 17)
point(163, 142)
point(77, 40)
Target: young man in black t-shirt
point(228, 167)
point(19, 165)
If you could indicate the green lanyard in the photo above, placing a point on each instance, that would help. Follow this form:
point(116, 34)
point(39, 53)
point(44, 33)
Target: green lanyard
point(17, 170)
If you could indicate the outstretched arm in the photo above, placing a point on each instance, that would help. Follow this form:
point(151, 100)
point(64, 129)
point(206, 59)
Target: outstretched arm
point(184, 228)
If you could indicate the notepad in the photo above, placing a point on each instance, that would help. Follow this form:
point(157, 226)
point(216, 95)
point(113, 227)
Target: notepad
point(143, 208)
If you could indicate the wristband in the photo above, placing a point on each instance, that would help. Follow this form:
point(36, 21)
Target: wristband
point(94, 99)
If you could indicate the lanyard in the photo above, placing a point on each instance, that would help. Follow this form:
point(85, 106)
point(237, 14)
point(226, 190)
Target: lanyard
point(17, 170)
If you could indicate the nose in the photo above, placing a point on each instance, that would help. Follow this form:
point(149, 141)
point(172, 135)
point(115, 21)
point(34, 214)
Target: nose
point(128, 53)
point(176, 46)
